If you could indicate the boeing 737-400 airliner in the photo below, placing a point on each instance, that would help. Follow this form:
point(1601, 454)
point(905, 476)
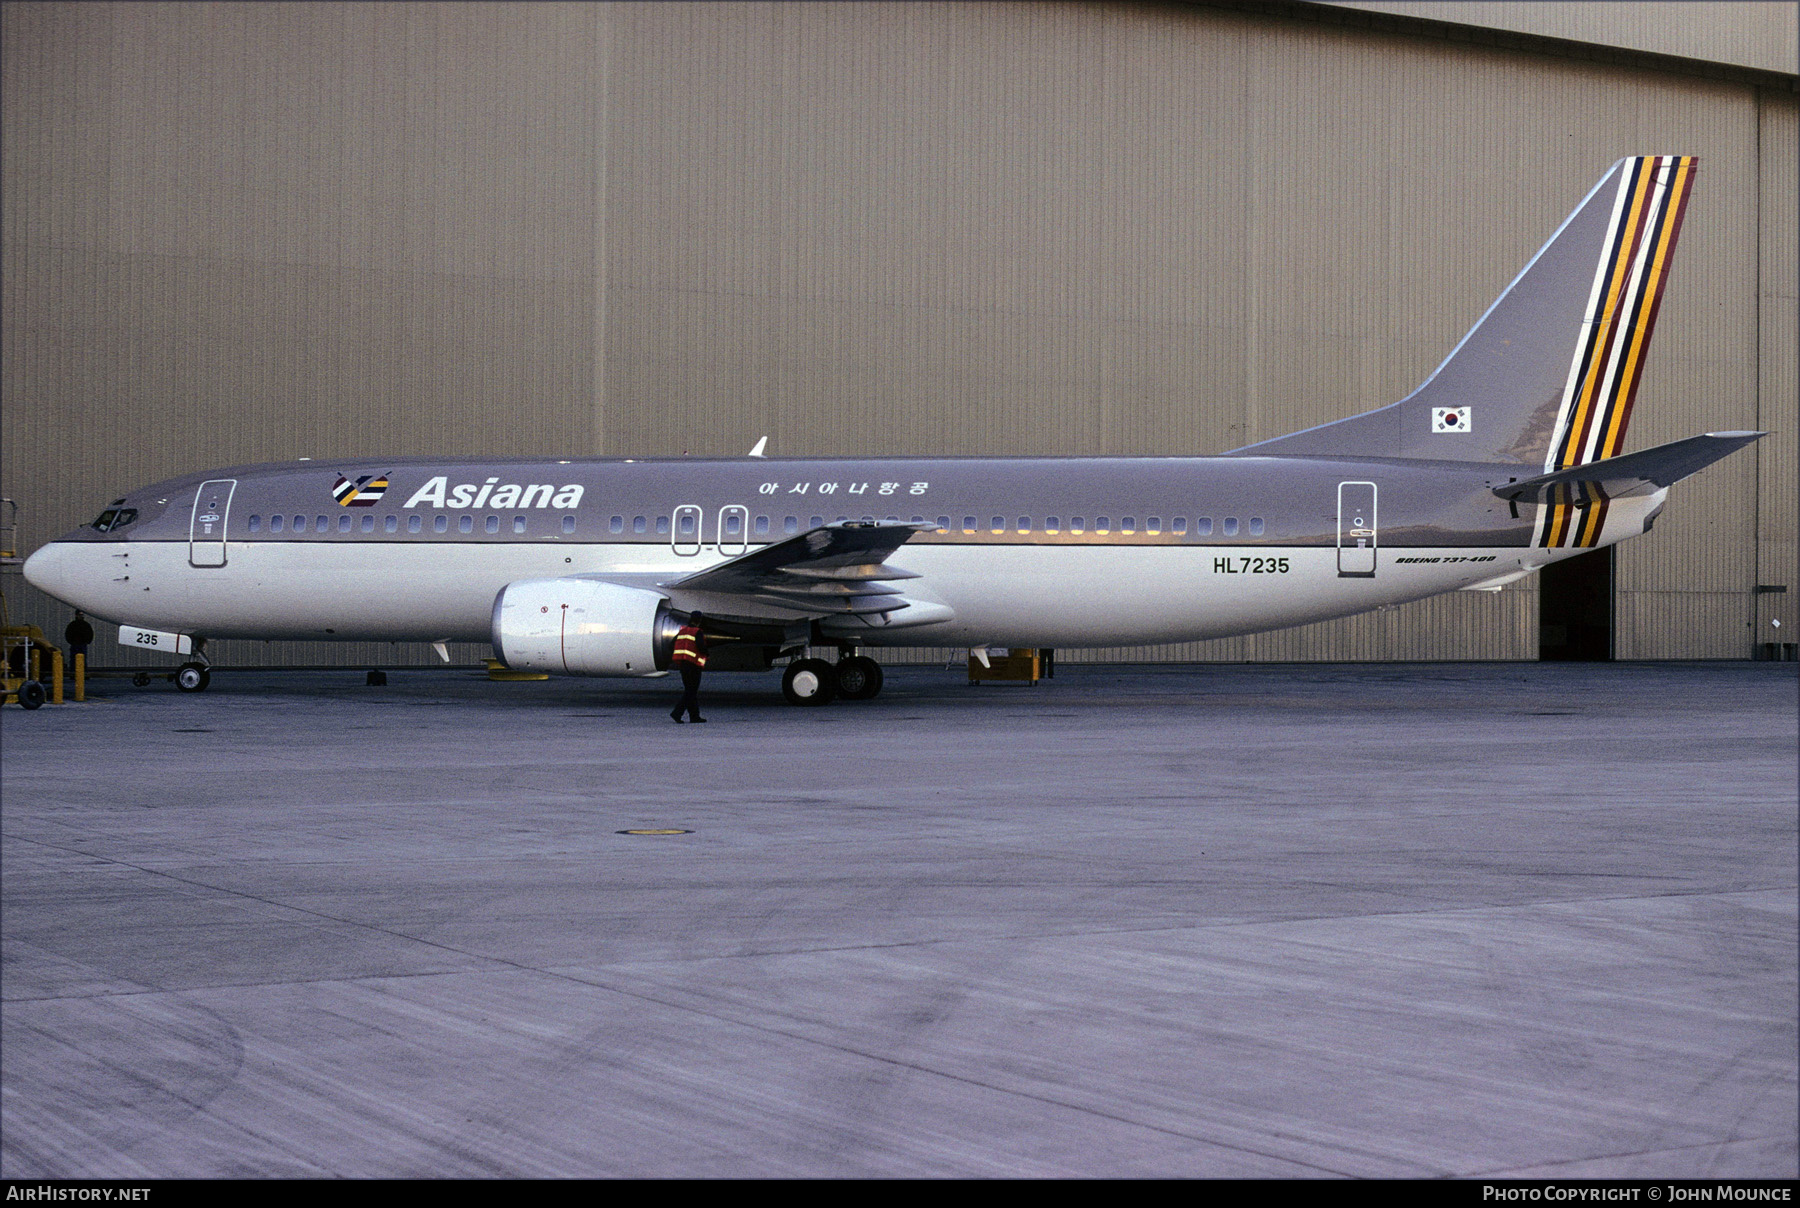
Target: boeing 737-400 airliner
point(1507, 458)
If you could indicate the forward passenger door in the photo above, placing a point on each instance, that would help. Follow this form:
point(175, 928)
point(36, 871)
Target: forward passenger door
point(206, 526)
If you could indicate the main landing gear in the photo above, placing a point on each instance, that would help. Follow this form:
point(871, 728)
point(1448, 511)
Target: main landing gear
point(817, 682)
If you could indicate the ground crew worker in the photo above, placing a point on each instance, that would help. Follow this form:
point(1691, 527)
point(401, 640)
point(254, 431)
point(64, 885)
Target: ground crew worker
point(78, 635)
point(689, 659)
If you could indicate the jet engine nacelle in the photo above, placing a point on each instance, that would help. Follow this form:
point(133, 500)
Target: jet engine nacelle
point(583, 627)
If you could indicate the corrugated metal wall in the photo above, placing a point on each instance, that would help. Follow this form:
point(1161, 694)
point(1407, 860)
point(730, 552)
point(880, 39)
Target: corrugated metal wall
point(248, 232)
point(252, 232)
point(1748, 33)
point(1778, 369)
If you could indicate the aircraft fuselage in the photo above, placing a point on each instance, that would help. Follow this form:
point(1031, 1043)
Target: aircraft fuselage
point(1054, 552)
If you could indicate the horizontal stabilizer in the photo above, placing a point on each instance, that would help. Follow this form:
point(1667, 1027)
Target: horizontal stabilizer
point(1632, 474)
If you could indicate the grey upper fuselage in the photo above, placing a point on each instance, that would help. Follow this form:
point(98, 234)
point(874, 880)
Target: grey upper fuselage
point(1031, 500)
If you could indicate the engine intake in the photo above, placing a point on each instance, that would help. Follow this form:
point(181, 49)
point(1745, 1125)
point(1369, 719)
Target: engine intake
point(583, 627)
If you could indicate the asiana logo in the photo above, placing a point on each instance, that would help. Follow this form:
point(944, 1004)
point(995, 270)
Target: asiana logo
point(365, 492)
point(440, 494)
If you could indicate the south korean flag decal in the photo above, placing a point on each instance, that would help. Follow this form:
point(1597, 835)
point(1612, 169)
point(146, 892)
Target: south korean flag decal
point(1451, 419)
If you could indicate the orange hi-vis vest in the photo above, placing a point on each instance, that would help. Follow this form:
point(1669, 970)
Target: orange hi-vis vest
point(690, 647)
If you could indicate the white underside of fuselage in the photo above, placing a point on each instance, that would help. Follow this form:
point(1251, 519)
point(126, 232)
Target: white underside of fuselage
point(1025, 595)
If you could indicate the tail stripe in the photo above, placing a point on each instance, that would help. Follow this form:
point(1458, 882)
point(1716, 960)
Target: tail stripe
point(1650, 302)
point(1593, 520)
point(1602, 321)
point(1626, 295)
point(1630, 336)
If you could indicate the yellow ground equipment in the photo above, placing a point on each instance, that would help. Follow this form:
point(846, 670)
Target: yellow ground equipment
point(25, 651)
point(23, 648)
point(1023, 665)
point(498, 670)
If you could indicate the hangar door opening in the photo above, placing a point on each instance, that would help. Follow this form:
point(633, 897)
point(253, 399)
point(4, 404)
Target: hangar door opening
point(1575, 609)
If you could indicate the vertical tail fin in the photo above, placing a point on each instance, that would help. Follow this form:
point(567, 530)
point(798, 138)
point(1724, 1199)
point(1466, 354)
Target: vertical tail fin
point(1548, 375)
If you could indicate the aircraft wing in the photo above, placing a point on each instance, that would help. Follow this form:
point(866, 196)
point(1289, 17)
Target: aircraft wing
point(836, 570)
point(1631, 474)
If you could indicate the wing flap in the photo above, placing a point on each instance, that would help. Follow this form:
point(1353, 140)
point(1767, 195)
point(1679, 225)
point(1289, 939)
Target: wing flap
point(864, 572)
point(852, 551)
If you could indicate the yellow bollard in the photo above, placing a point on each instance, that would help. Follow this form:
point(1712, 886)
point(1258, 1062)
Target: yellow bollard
point(80, 677)
point(56, 697)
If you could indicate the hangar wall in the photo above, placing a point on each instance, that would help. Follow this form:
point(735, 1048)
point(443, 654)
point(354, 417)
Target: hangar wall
point(238, 233)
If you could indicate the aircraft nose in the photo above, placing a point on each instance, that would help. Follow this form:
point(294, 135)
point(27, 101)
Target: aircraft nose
point(56, 570)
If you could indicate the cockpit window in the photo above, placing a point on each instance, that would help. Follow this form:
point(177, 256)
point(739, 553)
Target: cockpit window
point(114, 518)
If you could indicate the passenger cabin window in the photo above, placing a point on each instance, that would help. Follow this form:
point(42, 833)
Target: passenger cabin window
point(1052, 524)
point(391, 524)
point(1077, 524)
point(687, 524)
point(1153, 525)
point(762, 526)
point(1256, 526)
point(999, 524)
point(277, 523)
point(1102, 524)
point(412, 524)
point(790, 524)
point(662, 526)
point(1231, 526)
point(1128, 524)
point(815, 521)
point(640, 524)
point(255, 524)
point(493, 524)
point(465, 524)
point(1180, 524)
point(518, 524)
point(1203, 526)
point(568, 524)
point(345, 521)
point(368, 523)
point(322, 524)
point(616, 524)
point(1024, 524)
point(440, 524)
point(299, 524)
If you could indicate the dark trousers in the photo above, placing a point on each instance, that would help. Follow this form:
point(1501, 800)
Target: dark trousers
point(690, 692)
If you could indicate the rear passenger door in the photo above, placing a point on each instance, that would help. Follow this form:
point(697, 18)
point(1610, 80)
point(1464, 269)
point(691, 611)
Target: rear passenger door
point(1357, 532)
